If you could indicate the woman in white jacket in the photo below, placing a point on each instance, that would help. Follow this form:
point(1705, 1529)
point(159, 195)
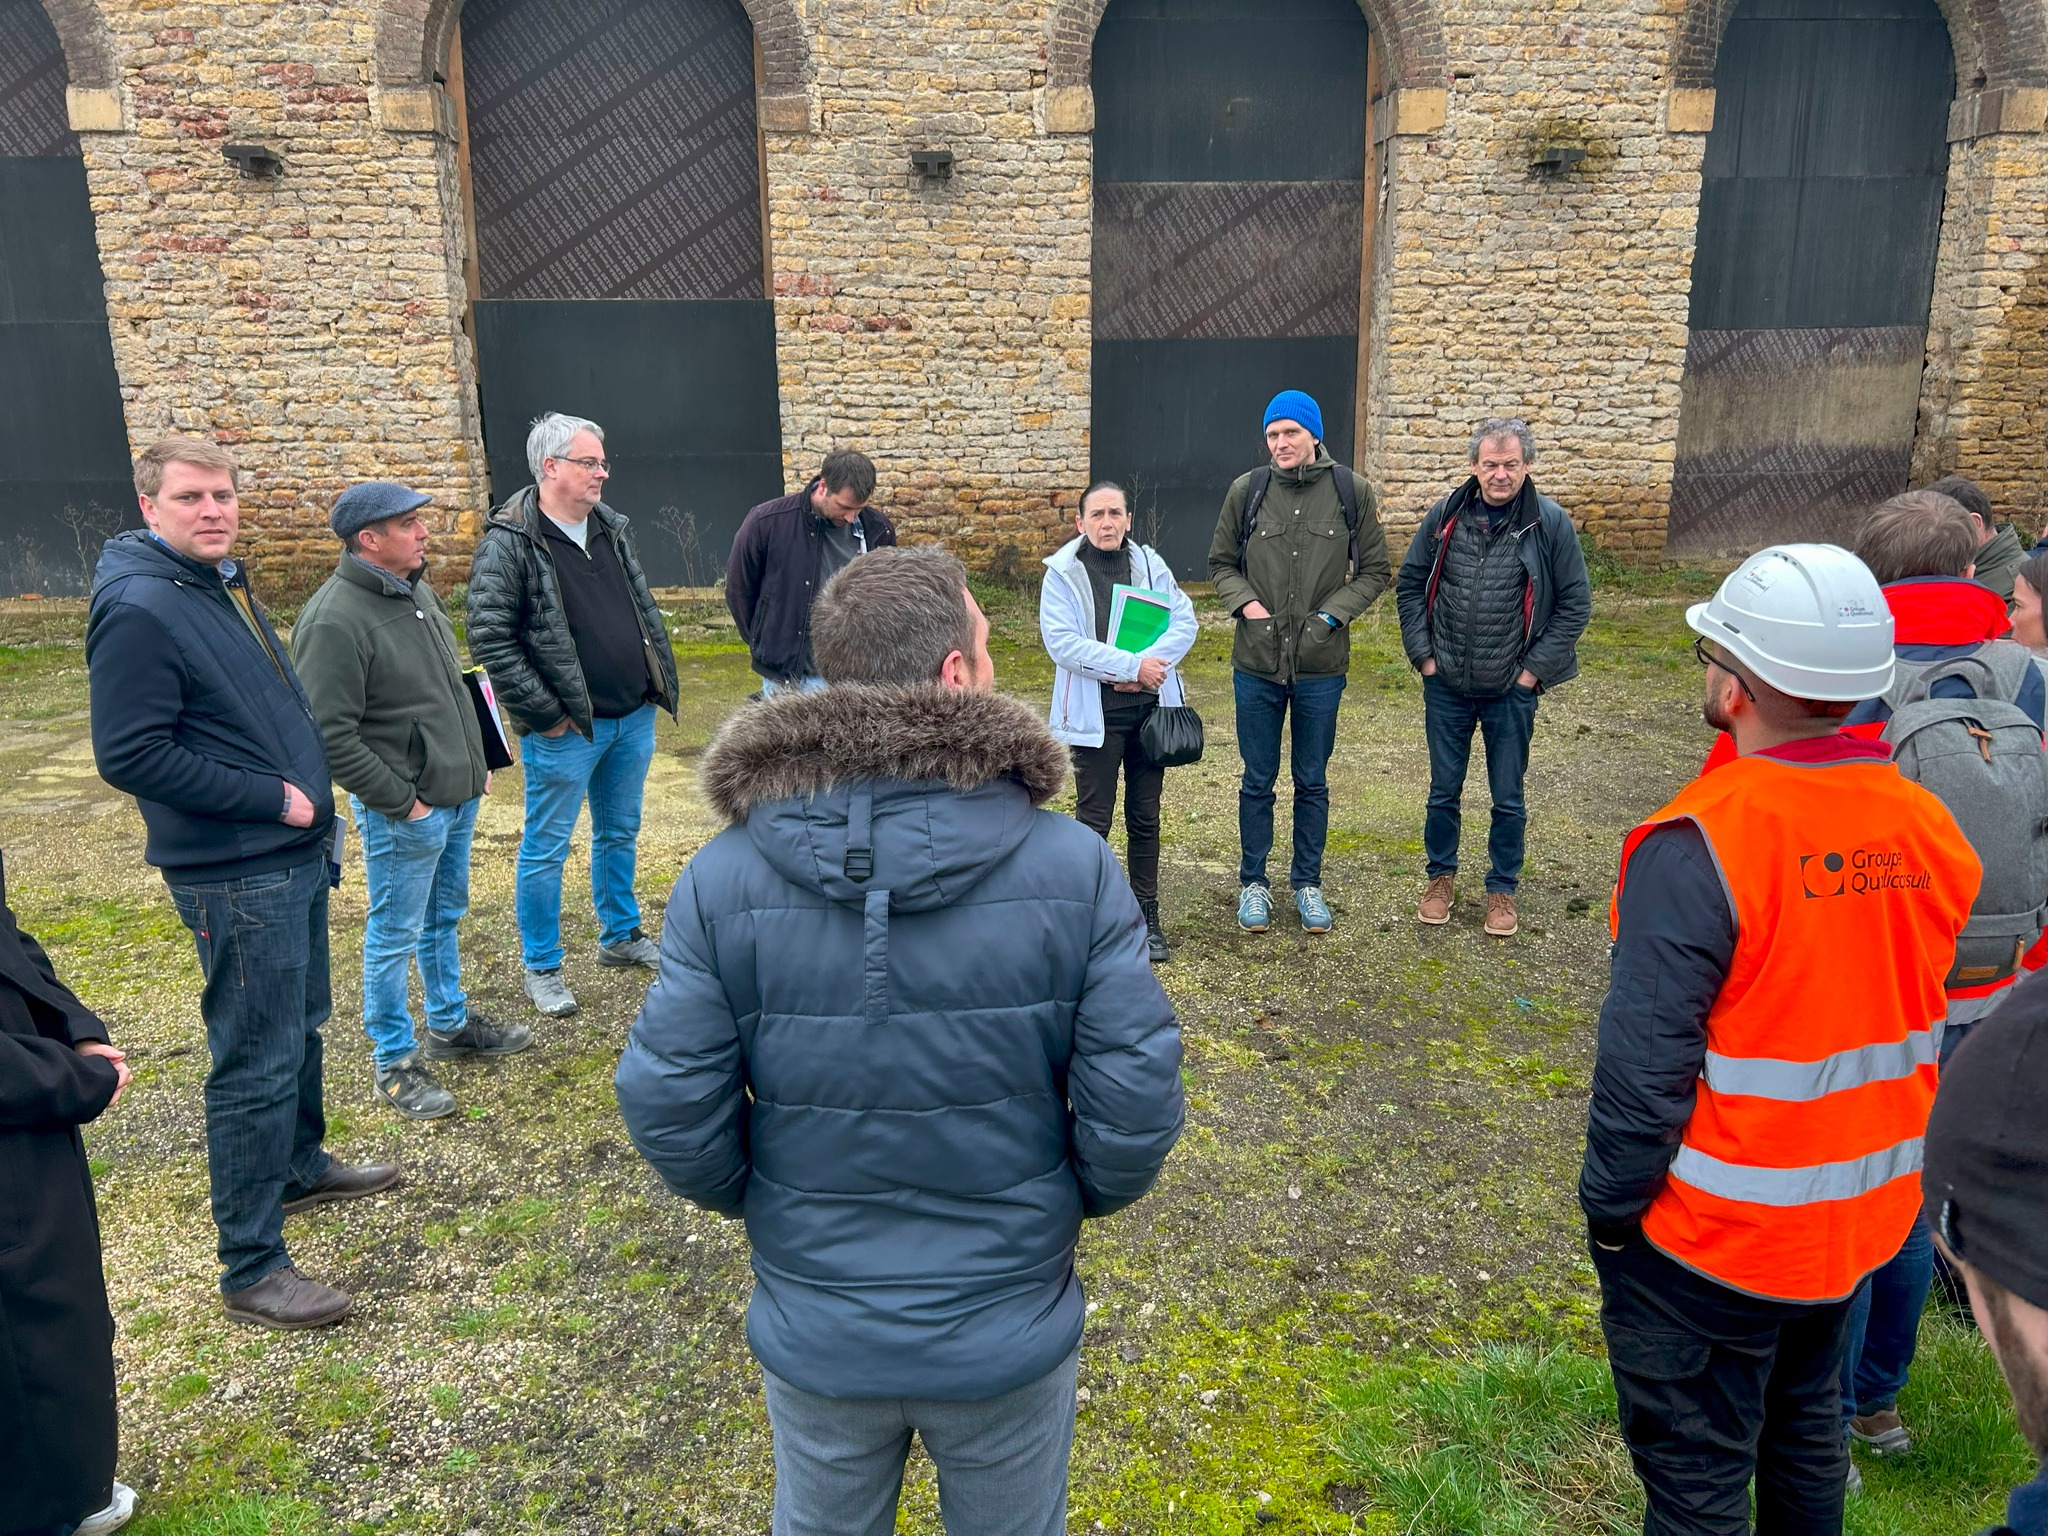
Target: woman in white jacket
point(1102, 696)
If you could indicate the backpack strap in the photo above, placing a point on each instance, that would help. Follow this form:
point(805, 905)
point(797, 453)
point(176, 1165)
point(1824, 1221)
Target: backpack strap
point(1914, 681)
point(1347, 503)
point(1254, 495)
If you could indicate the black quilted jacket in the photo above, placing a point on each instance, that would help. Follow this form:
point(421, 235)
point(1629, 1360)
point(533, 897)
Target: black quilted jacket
point(519, 632)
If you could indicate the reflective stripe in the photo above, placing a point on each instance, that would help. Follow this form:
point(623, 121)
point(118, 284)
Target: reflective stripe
point(1796, 1186)
point(1968, 1010)
point(1796, 1082)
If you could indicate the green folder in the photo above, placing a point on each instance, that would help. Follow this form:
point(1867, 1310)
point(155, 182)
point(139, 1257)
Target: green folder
point(1137, 618)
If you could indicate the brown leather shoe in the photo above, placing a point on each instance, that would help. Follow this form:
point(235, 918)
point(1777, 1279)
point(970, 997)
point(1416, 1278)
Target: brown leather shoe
point(286, 1300)
point(1501, 920)
point(1436, 903)
point(343, 1181)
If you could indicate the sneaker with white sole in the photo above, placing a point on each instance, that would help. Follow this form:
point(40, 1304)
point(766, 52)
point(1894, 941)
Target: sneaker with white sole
point(1315, 912)
point(1882, 1431)
point(550, 994)
point(408, 1087)
point(118, 1512)
point(635, 949)
point(1255, 909)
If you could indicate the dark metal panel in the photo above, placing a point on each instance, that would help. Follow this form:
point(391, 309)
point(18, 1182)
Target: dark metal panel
point(613, 148)
point(1194, 90)
point(33, 120)
point(1227, 258)
point(1175, 421)
point(49, 258)
point(686, 394)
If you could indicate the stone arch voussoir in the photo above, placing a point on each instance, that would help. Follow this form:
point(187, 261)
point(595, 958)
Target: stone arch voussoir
point(89, 63)
point(1410, 34)
point(413, 38)
point(1997, 43)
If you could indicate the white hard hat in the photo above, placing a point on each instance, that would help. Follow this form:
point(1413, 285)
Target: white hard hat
point(1809, 619)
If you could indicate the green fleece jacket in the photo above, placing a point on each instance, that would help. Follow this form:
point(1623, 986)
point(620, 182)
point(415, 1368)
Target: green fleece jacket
point(1298, 562)
point(2000, 560)
point(377, 657)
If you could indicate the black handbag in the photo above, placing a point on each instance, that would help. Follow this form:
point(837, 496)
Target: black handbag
point(1171, 736)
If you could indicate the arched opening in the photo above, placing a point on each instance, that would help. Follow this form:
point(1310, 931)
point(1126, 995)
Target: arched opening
point(1820, 213)
point(1230, 162)
point(612, 170)
point(65, 488)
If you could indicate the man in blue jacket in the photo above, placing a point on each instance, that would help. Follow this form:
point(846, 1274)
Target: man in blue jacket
point(196, 712)
point(904, 1025)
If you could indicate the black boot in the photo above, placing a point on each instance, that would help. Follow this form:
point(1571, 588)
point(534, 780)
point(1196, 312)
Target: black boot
point(1155, 936)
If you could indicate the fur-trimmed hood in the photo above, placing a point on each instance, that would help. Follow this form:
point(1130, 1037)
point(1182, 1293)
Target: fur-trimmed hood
point(915, 791)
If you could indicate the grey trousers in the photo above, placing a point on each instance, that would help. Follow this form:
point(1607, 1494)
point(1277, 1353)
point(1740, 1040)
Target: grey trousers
point(1002, 1462)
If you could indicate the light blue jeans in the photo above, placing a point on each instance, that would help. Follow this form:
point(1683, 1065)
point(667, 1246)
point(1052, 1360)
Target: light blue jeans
point(418, 878)
point(1002, 1462)
point(770, 687)
point(561, 773)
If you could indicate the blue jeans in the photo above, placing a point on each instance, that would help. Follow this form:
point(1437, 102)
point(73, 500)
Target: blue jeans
point(418, 877)
point(770, 687)
point(262, 943)
point(609, 770)
point(1884, 1325)
point(1002, 1462)
point(1261, 708)
point(1506, 721)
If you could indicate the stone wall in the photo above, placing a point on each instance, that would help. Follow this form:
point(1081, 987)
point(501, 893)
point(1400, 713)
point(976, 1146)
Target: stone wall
point(311, 322)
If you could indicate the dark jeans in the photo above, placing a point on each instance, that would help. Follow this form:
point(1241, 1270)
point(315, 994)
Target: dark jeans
point(1095, 772)
point(1884, 1325)
point(262, 944)
point(1506, 721)
point(1715, 1388)
point(1262, 706)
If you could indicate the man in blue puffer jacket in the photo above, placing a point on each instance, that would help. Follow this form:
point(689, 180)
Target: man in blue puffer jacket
point(904, 1024)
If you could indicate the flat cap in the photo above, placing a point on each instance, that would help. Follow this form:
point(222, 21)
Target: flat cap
point(371, 502)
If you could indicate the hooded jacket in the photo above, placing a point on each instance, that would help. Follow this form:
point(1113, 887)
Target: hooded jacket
point(1066, 622)
point(771, 579)
point(904, 1025)
point(519, 630)
point(2000, 560)
point(378, 659)
point(196, 719)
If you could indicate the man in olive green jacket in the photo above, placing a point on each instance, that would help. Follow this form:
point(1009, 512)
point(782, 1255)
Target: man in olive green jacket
point(377, 656)
point(1298, 554)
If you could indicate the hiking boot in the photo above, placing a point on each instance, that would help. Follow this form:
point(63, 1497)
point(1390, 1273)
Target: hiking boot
point(1435, 909)
point(343, 1181)
point(478, 1036)
point(635, 949)
point(1155, 936)
point(550, 994)
point(408, 1087)
point(1501, 920)
point(1255, 909)
point(1882, 1432)
point(1315, 912)
point(120, 1508)
point(286, 1300)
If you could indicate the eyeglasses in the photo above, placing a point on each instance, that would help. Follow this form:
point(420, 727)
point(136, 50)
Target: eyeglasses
point(589, 466)
point(1707, 656)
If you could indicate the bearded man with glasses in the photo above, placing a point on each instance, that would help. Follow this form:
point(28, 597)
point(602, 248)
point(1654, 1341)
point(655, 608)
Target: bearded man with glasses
point(561, 617)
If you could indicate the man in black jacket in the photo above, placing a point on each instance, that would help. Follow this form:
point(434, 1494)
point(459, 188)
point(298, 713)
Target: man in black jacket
point(1493, 598)
point(561, 617)
point(58, 1431)
point(197, 713)
point(783, 555)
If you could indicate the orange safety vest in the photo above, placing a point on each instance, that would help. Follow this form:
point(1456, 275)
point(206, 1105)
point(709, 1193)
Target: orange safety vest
point(1799, 1171)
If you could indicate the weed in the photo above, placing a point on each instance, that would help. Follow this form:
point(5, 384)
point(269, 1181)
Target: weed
point(184, 1389)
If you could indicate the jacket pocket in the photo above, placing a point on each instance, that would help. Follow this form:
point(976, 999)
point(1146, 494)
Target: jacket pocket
point(415, 752)
point(1257, 647)
point(1322, 651)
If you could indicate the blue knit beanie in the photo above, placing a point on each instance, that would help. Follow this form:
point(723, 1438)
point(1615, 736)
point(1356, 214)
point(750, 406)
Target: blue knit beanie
point(1293, 405)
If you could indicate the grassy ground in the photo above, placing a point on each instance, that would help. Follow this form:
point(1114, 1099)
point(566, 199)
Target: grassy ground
point(1362, 1257)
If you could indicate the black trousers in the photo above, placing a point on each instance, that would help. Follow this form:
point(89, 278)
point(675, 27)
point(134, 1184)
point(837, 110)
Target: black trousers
point(1095, 773)
point(1717, 1387)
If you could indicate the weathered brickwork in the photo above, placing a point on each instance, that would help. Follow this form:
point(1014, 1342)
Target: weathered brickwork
point(311, 322)
point(315, 321)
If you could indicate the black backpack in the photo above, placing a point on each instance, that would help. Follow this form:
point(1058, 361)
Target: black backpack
point(1255, 495)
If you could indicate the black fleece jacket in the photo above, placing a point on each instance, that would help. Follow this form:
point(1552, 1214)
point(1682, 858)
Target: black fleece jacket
point(198, 721)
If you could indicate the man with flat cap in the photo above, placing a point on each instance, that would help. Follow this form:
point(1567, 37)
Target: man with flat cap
point(378, 658)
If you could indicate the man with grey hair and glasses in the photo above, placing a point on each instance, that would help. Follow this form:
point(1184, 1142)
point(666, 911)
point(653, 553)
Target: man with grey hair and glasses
point(561, 617)
point(1493, 598)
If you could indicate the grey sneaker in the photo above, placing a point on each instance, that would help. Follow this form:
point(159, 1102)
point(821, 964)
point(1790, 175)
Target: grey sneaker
point(117, 1513)
point(637, 949)
point(550, 994)
point(408, 1087)
point(479, 1036)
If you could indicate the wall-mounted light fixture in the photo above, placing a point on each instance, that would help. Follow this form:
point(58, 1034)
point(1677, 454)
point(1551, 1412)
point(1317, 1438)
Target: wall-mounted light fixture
point(933, 164)
point(254, 160)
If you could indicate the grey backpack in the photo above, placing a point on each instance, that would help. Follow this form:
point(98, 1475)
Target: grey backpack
point(1983, 759)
